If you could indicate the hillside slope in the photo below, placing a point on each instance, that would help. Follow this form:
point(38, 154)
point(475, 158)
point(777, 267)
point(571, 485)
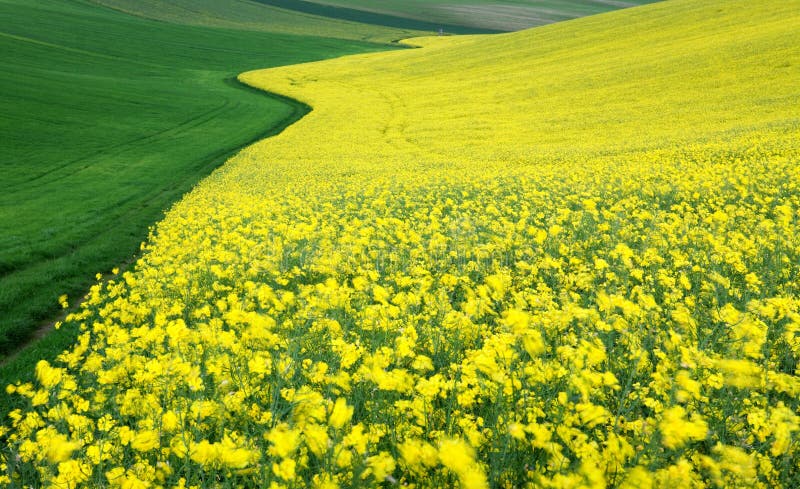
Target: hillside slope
point(107, 119)
point(252, 15)
point(508, 15)
point(369, 20)
point(563, 257)
point(656, 78)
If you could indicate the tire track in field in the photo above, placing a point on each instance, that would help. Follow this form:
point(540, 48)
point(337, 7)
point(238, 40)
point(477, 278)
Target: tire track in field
point(190, 123)
point(77, 51)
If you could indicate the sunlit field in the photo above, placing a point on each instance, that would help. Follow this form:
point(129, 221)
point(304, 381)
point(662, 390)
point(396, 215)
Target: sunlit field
point(564, 257)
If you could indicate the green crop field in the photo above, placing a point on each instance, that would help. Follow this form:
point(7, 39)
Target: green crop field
point(258, 16)
point(107, 119)
point(367, 19)
point(507, 15)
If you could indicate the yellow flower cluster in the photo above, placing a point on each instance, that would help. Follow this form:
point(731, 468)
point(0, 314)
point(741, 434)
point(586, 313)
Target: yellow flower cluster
point(563, 258)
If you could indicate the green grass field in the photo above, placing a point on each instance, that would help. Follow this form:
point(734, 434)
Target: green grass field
point(107, 119)
point(507, 15)
point(258, 16)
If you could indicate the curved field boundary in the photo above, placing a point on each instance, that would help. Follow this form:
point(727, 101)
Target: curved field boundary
point(499, 258)
point(299, 110)
point(101, 131)
point(21, 359)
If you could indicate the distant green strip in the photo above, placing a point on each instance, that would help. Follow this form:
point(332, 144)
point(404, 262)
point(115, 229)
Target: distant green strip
point(374, 18)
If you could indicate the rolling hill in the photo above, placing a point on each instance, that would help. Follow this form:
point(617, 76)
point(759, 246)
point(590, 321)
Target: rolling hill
point(260, 16)
point(107, 119)
point(561, 257)
point(369, 20)
point(480, 14)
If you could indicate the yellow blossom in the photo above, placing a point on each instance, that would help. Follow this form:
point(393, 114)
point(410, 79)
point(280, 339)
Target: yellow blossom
point(340, 414)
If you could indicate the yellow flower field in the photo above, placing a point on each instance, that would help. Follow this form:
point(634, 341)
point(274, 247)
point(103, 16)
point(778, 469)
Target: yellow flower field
point(564, 257)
